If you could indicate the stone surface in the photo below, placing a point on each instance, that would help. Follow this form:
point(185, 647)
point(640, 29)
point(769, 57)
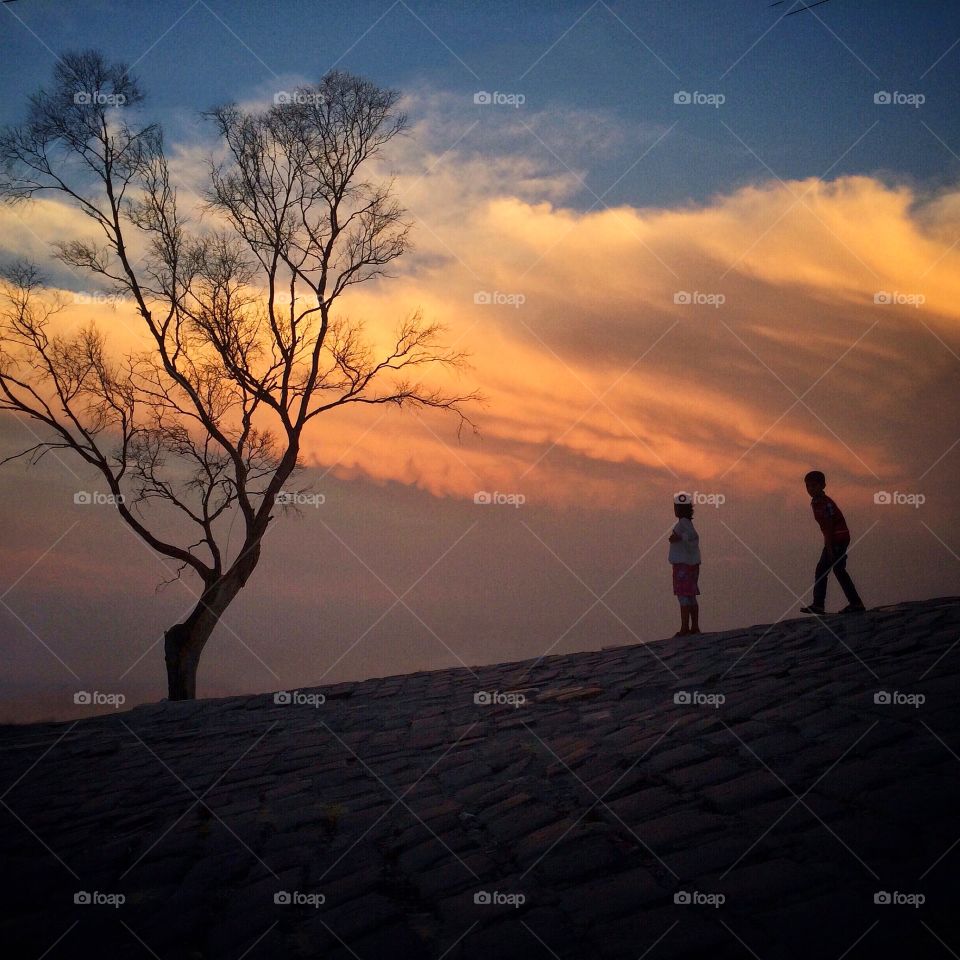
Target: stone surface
point(740, 793)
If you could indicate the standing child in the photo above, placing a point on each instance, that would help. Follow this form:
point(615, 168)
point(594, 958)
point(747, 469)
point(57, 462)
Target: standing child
point(685, 559)
point(836, 539)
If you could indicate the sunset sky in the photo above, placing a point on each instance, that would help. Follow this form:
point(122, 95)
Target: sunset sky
point(715, 295)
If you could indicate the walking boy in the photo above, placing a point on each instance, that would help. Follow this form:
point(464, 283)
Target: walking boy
point(836, 539)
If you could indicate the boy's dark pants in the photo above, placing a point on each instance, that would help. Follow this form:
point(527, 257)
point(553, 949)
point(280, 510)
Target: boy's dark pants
point(838, 563)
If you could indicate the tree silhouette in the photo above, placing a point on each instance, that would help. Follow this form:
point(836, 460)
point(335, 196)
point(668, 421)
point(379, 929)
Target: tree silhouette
point(245, 347)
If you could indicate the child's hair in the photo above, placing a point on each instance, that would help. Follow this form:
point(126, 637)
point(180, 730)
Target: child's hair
point(683, 510)
point(815, 476)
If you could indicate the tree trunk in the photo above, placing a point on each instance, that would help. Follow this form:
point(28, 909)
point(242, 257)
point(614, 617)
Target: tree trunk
point(183, 645)
point(184, 642)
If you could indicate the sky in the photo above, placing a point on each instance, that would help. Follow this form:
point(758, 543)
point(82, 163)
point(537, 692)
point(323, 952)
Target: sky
point(722, 248)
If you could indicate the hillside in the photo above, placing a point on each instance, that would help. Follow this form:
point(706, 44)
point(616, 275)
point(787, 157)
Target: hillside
point(786, 780)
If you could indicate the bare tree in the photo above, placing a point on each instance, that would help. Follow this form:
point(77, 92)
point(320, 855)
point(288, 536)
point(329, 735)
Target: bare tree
point(245, 348)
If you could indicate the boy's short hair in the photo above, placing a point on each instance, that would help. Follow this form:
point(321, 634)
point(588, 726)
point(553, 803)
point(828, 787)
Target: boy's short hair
point(815, 476)
point(683, 510)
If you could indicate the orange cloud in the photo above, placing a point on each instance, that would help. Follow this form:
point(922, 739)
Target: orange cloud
point(600, 379)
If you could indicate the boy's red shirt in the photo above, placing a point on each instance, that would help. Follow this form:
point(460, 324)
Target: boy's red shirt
point(830, 518)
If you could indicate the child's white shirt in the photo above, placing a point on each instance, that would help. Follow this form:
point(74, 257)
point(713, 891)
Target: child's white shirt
point(687, 548)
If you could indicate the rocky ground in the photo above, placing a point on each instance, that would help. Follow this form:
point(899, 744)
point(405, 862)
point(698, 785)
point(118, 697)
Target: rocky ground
point(777, 791)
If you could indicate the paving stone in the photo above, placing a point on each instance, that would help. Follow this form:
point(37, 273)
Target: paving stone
point(749, 789)
point(636, 808)
point(675, 757)
point(521, 821)
point(716, 770)
point(677, 830)
point(462, 873)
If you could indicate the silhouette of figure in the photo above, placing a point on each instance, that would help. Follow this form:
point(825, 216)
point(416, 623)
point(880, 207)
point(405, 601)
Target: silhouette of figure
point(684, 557)
point(836, 539)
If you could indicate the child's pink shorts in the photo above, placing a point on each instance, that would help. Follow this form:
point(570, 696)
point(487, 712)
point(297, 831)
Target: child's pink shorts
point(685, 579)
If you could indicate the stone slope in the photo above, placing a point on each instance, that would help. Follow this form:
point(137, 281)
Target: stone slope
point(725, 795)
